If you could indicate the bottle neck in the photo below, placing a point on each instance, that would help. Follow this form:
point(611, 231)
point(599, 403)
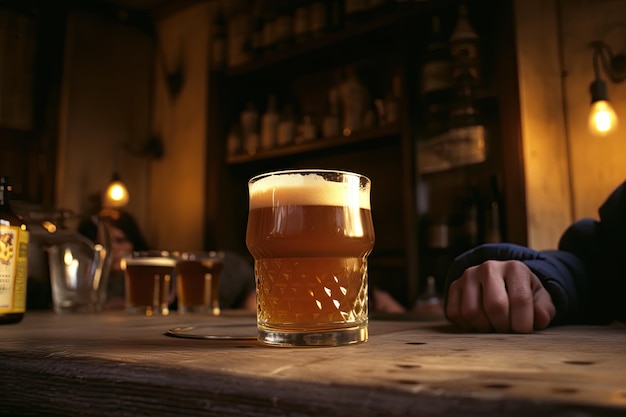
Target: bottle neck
point(4, 195)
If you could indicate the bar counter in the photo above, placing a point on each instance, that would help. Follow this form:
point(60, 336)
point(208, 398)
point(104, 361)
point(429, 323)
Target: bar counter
point(116, 364)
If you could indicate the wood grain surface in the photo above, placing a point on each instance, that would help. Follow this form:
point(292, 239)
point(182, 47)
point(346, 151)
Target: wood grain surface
point(116, 364)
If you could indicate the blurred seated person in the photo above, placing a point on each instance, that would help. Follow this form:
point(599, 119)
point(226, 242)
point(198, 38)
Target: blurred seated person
point(237, 285)
point(125, 237)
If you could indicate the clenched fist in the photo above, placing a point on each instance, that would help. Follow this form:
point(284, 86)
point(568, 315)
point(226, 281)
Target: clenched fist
point(499, 296)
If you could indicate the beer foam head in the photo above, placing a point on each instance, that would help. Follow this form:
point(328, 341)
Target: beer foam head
point(149, 261)
point(308, 188)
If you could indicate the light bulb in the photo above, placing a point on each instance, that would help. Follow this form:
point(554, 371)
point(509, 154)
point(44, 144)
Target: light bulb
point(602, 118)
point(116, 194)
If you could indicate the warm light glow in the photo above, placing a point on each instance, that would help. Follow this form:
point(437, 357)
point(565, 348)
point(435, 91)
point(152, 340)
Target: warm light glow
point(49, 226)
point(602, 118)
point(116, 195)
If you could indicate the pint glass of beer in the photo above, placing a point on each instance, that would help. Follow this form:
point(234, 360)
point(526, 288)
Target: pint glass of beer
point(310, 232)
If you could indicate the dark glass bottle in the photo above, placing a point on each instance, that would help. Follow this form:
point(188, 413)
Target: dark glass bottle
point(464, 109)
point(464, 46)
point(13, 259)
point(436, 82)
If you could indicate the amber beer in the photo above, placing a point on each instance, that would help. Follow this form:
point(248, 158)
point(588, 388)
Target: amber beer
point(148, 283)
point(197, 282)
point(310, 233)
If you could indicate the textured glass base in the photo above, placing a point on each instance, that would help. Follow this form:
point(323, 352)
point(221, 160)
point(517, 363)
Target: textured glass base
point(327, 337)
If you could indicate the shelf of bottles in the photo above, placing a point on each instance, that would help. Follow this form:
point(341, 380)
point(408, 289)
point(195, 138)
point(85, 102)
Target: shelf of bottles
point(459, 188)
point(362, 138)
point(270, 32)
point(454, 132)
point(340, 111)
point(269, 37)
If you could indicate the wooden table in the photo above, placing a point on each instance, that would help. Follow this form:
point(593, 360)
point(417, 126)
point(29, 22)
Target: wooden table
point(116, 364)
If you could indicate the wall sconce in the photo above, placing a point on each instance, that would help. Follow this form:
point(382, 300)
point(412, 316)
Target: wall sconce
point(116, 194)
point(602, 118)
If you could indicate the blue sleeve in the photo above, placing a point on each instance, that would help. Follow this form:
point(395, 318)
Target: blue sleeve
point(561, 273)
point(601, 245)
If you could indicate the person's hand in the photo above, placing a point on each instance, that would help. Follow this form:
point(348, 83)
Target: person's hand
point(500, 296)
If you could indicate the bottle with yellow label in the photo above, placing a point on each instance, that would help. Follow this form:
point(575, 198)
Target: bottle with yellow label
point(13, 259)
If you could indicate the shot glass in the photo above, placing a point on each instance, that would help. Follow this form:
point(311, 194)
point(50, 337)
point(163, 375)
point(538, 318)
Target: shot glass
point(310, 233)
point(149, 282)
point(197, 282)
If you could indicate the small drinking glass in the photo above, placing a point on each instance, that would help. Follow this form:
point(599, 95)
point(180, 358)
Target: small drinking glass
point(198, 280)
point(149, 280)
point(79, 269)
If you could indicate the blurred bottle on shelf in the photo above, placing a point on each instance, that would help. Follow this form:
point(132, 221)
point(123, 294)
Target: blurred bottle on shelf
point(269, 124)
point(286, 127)
point(218, 41)
point(436, 81)
point(464, 47)
point(301, 25)
point(268, 32)
point(370, 118)
point(465, 110)
point(306, 131)
point(249, 121)
point(238, 31)
point(331, 122)
point(255, 43)
point(354, 97)
point(391, 102)
point(233, 141)
point(465, 71)
point(469, 133)
point(318, 18)
point(283, 26)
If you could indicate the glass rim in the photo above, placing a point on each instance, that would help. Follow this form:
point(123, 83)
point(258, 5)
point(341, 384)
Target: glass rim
point(202, 255)
point(307, 171)
point(154, 253)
